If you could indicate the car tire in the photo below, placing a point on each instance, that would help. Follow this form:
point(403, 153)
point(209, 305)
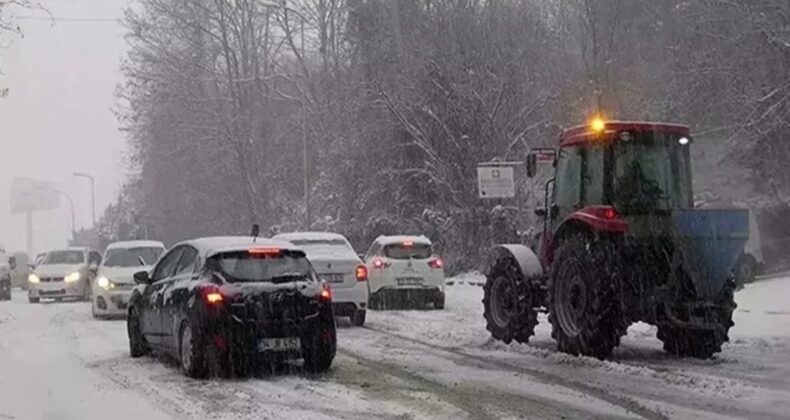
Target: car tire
point(745, 271)
point(319, 350)
point(438, 304)
point(358, 318)
point(33, 299)
point(191, 352)
point(137, 345)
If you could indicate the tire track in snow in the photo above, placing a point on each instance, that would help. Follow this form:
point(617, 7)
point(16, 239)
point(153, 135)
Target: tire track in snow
point(623, 402)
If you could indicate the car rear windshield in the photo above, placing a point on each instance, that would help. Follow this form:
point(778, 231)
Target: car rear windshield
point(64, 257)
point(132, 257)
point(279, 267)
point(323, 246)
point(405, 252)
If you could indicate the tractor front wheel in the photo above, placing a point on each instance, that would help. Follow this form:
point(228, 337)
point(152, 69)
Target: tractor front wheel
point(584, 306)
point(508, 303)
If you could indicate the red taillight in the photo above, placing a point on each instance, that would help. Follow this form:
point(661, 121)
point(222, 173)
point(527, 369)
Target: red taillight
point(265, 251)
point(380, 263)
point(326, 293)
point(436, 263)
point(362, 273)
point(407, 244)
point(609, 213)
point(212, 295)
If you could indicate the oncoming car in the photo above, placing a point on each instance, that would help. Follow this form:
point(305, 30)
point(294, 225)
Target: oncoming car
point(115, 278)
point(64, 274)
point(217, 304)
point(336, 263)
point(404, 270)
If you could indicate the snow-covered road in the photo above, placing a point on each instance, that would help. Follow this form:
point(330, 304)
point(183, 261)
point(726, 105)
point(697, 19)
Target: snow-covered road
point(56, 362)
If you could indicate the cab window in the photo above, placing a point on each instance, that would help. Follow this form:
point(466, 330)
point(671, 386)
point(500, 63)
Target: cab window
point(567, 191)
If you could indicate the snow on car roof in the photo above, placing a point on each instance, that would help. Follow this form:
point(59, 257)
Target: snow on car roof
point(135, 244)
point(397, 239)
point(309, 236)
point(213, 245)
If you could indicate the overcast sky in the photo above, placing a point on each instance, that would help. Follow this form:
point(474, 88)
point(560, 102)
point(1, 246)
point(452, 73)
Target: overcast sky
point(58, 116)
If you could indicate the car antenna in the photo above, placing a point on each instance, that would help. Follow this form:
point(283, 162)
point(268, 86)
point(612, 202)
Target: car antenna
point(256, 230)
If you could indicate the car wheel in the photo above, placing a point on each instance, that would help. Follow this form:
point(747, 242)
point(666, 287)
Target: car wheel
point(319, 350)
point(191, 352)
point(745, 270)
point(358, 318)
point(33, 299)
point(137, 345)
point(438, 304)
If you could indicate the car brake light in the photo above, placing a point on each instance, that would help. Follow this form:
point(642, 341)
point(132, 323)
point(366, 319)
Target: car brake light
point(362, 273)
point(407, 243)
point(265, 251)
point(326, 293)
point(436, 263)
point(212, 295)
point(609, 213)
point(380, 263)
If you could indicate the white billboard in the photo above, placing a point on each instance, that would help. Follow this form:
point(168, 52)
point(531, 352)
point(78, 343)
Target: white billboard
point(29, 195)
point(496, 182)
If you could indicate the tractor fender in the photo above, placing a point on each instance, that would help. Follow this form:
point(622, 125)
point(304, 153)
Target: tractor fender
point(528, 262)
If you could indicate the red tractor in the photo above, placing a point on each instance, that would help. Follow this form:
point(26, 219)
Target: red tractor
point(621, 242)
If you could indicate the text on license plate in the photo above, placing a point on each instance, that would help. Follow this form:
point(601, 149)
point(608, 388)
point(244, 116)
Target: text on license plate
point(333, 278)
point(409, 281)
point(279, 344)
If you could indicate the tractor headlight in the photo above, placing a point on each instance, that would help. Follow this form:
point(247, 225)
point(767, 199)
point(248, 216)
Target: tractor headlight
point(105, 283)
point(71, 278)
point(32, 278)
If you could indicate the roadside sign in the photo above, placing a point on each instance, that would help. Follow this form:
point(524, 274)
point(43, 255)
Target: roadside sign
point(496, 182)
point(29, 195)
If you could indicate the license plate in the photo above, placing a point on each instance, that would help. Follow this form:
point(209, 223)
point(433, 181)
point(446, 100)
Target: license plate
point(333, 278)
point(409, 281)
point(279, 344)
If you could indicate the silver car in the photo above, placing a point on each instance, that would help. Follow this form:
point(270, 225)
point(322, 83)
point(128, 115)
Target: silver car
point(64, 274)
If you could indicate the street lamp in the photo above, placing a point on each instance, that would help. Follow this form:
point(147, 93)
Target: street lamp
point(305, 156)
point(93, 193)
point(71, 203)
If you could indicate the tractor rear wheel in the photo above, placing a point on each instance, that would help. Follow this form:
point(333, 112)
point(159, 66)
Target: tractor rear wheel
point(584, 306)
point(508, 303)
point(701, 344)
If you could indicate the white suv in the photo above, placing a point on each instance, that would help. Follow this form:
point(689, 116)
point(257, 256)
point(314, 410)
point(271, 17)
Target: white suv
point(336, 263)
point(404, 270)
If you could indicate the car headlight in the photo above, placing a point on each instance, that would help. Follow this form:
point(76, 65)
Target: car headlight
point(71, 278)
point(105, 283)
point(32, 278)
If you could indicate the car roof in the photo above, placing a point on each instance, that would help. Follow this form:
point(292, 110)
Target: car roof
point(308, 236)
point(135, 244)
point(396, 239)
point(71, 248)
point(209, 246)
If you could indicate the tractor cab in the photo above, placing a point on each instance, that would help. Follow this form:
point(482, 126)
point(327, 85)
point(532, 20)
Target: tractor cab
point(607, 173)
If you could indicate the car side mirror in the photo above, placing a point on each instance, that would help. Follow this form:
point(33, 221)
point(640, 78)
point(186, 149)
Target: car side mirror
point(12, 263)
point(532, 165)
point(141, 277)
point(555, 210)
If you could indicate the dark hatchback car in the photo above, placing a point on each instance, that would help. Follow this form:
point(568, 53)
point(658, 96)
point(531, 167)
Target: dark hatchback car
point(222, 304)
